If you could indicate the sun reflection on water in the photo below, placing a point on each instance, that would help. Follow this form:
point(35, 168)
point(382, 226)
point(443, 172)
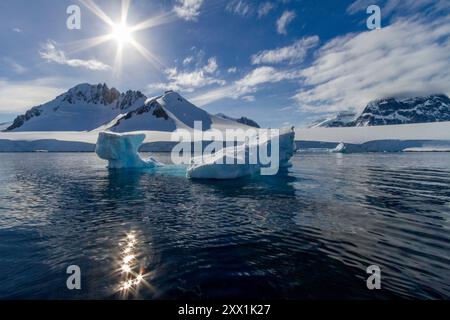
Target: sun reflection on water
point(132, 275)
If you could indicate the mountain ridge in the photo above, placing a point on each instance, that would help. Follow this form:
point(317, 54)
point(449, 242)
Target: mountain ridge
point(87, 107)
point(391, 111)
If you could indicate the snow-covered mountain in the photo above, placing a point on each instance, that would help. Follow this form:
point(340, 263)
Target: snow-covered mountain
point(243, 120)
point(85, 107)
point(389, 111)
point(432, 108)
point(96, 107)
point(4, 125)
point(341, 119)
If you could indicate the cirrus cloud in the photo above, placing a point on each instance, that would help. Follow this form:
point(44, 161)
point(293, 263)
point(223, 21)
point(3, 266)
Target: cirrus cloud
point(248, 84)
point(291, 54)
point(187, 81)
point(286, 18)
point(50, 53)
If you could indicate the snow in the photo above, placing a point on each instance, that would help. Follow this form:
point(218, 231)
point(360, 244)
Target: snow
point(340, 119)
point(399, 137)
point(233, 162)
point(339, 148)
point(83, 108)
point(121, 151)
point(4, 125)
point(183, 112)
point(360, 135)
point(428, 149)
point(97, 108)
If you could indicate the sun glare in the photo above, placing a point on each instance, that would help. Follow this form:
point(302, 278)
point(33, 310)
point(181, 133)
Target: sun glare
point(122, 33)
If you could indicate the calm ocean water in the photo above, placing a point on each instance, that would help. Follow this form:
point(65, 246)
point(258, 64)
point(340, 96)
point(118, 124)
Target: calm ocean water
point(307, 233)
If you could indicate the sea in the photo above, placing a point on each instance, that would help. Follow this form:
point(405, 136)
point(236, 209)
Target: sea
point(332, 226)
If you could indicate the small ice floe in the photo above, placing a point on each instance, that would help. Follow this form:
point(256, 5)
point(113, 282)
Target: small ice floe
point(340, 148)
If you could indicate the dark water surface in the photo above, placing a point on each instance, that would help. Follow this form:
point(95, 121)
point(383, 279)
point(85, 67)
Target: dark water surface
point(308, 233)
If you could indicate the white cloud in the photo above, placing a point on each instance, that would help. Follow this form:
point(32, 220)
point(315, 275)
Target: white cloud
point(214, 95)
point(286, 18)
point(248, 98)
point(265, 8)
point(15, 66)
point(18, 30)
point(409, 57)
point(232, 70)
point(187, 81)
point(292, 54)
point(401, 7)
point(211, 66)
point(250, 83)
point(188, 60)
point(240, 7)
point(359, 5)
point(50, 53)
point(188, 10)
point(19, 96)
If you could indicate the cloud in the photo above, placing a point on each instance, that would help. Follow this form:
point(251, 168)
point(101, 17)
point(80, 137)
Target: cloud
point(18, 30)
point(19, 96)
point(292, 54)
point(16, 67)
point(265, 74)
point(188, 81)
point(50, 53)
point(240, 8)
point(248, 84)
point(232, 70)
point(188, 60)
point(400, 7)
point(286, 18)
point(248, 98)
point(265, 8)
point(188, 10)
point(211, 66)
point(409, 57)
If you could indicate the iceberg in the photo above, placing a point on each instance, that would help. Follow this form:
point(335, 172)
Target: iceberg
point(233, 162)
point(121, 151)
point(340, 148)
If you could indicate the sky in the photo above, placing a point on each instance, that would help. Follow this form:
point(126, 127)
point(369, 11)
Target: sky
point(278, 62)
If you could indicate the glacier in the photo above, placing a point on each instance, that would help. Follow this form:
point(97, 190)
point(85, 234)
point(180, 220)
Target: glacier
point(121, 151)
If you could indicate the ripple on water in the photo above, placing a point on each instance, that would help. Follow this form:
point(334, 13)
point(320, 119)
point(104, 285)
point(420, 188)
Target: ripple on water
point(310, 232)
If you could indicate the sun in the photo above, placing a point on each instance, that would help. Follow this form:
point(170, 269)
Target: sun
point(122, 33)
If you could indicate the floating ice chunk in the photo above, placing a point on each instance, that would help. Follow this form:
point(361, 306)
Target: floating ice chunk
point(121, 151)
point(233, 162)
point(222, 165)
point(288, 147)
point(340, 148)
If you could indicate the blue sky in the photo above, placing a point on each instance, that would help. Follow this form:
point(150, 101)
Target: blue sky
point(279, 62)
